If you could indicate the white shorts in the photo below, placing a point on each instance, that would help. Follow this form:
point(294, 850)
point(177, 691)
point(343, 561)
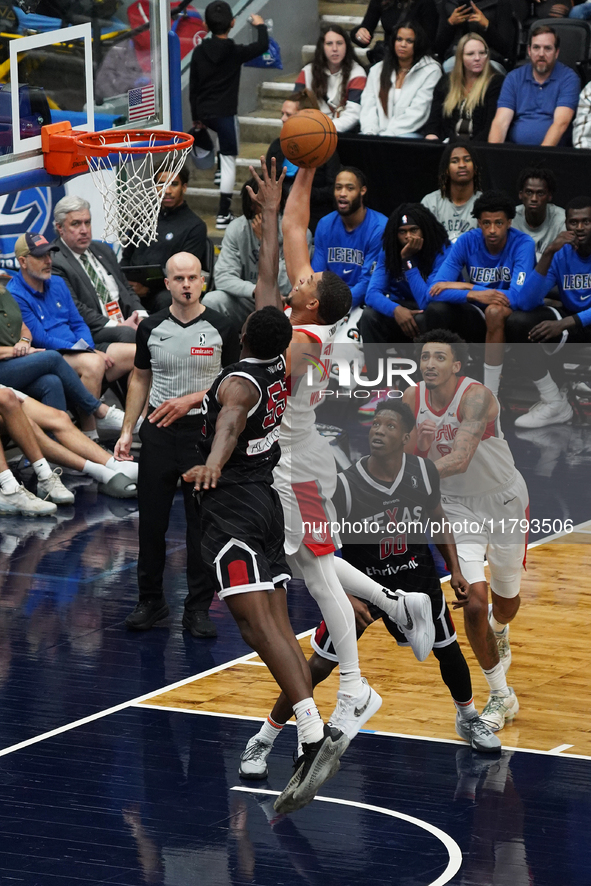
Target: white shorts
point(492, 527)
point(19, 394)
point(306, 479)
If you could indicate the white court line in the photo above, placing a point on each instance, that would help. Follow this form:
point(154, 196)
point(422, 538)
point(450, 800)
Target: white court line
point(242, 659)
point(554, 752)
point(453, 850)
point(134, 701)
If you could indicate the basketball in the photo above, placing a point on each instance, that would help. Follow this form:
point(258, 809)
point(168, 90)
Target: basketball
point(308, 139)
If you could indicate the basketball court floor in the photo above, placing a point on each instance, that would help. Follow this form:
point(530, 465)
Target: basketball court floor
point(119, 752)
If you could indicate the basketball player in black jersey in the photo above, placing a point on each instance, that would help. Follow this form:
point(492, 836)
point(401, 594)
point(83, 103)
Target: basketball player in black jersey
point(391, 489)
point(242, 522)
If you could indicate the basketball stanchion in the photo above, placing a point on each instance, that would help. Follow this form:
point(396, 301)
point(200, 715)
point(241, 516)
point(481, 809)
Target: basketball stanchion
point(124, 164)
point(308, 138)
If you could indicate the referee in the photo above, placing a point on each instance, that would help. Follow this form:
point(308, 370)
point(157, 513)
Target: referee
point(179, 353)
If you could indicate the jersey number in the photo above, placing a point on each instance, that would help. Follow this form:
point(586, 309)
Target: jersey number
point(393, 546)
point(275, 404)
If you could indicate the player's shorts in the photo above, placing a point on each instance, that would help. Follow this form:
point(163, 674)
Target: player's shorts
point(445, 632)
point(492, 527)
point(242, 538)
point(306, 479)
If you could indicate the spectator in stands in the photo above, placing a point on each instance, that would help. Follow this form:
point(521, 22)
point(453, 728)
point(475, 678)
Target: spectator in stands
point(492, 20)
point(321, 200)
point(582, 11)
point(582, 124)
point(552, 9)
point(391, 13)
point(399, 91)
point(49, 312)
point(105, 300)
point(213, 90)
point(537, 101)
point(460, 185)
point(537, 215)
point(237, 267)
point(335, 78)
point(565, 263)
point(61, 442)
point(45, 374)
point(179, 230)
point(415, 244)
point(465, 100)
point(349, 240)
point(497, 260)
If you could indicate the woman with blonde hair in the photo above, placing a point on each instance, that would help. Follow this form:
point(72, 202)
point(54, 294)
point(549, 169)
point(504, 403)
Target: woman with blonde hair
point(465, 100)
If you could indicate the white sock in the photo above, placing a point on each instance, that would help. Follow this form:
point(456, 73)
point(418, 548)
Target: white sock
point(92, 435)
point(98, 472)
point(497, 680)
point(129, 468)
point(466, 709)
point(8, 482)
point(322, 582)
point(356, 582)
point(269, 731)
point(309, 721)
point(492, 377)
point(497, 627)
point(42, 469)
point(548, 388)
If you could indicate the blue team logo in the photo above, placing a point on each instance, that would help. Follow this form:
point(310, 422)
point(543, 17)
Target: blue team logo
point(30, 210)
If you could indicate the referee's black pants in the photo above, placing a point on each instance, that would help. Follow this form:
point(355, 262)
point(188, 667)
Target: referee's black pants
point(165, 454)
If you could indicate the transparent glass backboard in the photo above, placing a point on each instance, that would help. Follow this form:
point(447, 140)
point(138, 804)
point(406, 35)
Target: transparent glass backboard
point(107, 68)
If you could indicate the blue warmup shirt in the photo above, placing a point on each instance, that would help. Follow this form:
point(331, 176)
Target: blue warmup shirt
point(506, 271)
point(534, 103)
point(350, 254)
point(385, 291)
point(51, 315)
point(572, 275)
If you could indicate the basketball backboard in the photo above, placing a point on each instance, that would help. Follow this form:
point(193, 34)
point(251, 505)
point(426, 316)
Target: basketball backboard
point(103, 70)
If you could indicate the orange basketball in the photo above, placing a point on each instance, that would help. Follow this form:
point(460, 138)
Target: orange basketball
point(308, 139)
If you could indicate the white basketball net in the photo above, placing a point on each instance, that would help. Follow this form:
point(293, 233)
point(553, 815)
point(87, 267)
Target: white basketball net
point(131, 197)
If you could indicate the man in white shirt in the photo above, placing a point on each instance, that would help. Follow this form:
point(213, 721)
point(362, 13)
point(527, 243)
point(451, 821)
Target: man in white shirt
point(537, 215)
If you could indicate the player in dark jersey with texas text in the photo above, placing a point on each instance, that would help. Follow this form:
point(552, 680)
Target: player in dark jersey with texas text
point(387, 491)
point(242, 519)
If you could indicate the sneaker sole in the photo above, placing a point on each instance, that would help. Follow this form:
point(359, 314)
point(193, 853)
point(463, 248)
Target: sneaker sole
point(254, 776)
point(325, 765)
point(150, 623)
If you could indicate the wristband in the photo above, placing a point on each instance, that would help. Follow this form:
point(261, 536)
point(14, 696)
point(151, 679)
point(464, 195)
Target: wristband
point(24, 338)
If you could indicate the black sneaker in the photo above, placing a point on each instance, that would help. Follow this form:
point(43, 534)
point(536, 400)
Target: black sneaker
point(146, 614)
point(222, 221)
point(318, 762)
point(199, 624)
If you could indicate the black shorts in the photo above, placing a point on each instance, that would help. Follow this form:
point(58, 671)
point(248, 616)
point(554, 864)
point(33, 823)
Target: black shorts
point(242, 538)
point(445, 632)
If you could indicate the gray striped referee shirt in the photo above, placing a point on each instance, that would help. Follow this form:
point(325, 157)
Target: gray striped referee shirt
point(184, 358)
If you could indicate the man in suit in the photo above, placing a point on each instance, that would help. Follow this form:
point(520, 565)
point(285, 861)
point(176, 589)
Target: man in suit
point(108, 305)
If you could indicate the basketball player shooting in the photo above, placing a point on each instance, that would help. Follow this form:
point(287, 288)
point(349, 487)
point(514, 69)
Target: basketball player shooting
point(305, 476)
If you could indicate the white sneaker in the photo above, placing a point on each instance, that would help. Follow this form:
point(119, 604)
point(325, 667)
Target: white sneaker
point(478, 734)
point(253, 760)
point(352, 711)
point(503, 644)
point(416, 621)
point(500, 709)
point(24, 502)
point(112, 420)
point(54, 490)
point(541, 414)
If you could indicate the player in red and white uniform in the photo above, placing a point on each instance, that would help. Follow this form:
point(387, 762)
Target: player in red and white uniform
point(305, 477)
point(484, 498)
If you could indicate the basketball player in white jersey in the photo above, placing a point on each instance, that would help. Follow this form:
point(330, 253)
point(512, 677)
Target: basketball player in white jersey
point(305, 477)
point(483, 496)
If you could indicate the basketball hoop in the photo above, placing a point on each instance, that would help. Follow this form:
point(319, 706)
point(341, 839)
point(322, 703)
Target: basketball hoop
point(124, 165)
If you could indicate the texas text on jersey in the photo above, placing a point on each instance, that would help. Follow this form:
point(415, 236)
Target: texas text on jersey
point(400, 510)
point(257, 450)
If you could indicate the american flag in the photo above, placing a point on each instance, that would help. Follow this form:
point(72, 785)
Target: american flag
point(142, 103)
